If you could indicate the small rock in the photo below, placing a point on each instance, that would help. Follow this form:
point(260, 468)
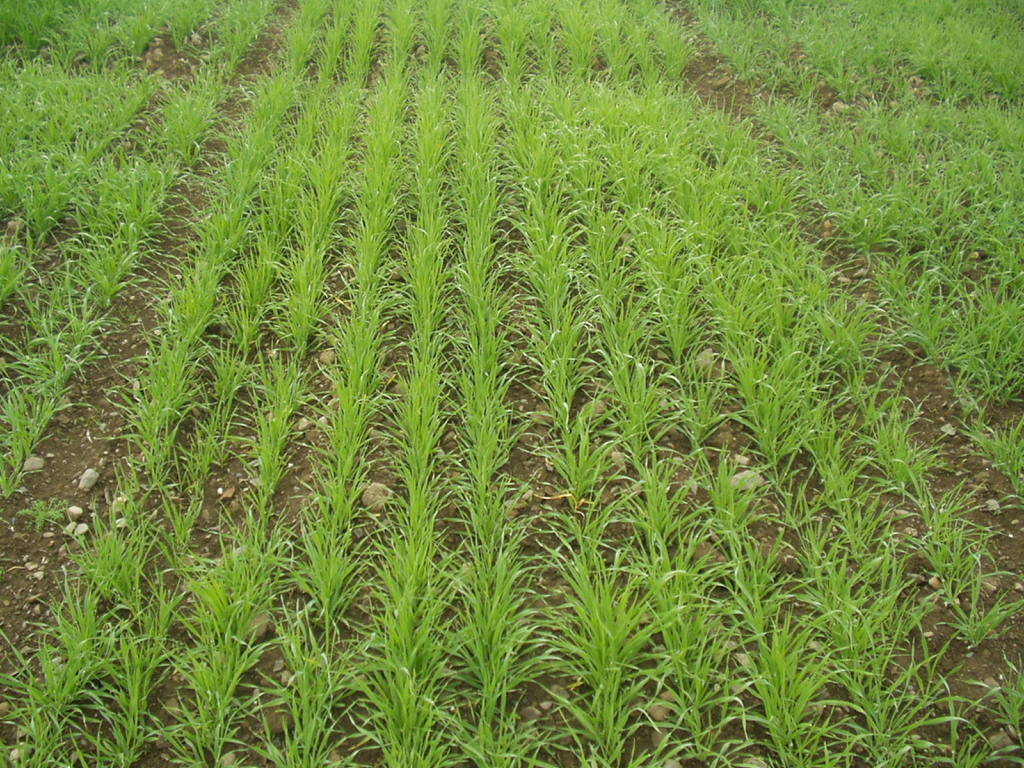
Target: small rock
point(530, 713)
point(328, 356)
point(88, 479)
point(13, 229)
point(121, 522)
point(260, 627)
point(999, 740)
point(743, 461)
point(304, 424)
point(75, 512)
point(673, 764)
point(703, 550)
point(81, 529)
point(658, 737)
point(376, 496)
point(743, 659)
point(15, 755)
point(991, 683)
point(840, 106)
point(279, 721)
point(546, 705)
point(992, 506)
point(722, 82)
point(526, 499)
point(228, 760)
point(747, 480)
point(618, 459)
point(948, 429)
point(935, 583)
point(706, 359)
point(991, 585)
point(33, 464)
point(659, 713)
point(5, 708)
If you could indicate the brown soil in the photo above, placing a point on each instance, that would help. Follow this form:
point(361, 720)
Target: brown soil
point(163, 56)
point(260, 58)
point(708, 74)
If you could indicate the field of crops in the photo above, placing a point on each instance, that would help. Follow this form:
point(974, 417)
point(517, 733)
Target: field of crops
point(557, 383)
